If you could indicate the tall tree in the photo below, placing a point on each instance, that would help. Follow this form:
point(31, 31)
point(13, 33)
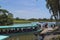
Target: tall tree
point(52, 5)
point(54, 8)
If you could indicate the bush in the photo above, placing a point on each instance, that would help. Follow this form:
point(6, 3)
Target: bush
point(5, 19)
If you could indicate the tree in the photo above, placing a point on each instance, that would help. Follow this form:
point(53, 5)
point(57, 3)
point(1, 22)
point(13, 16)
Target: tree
point(33, 19)
point(10, 15)
point(52, 5)
point(54, 8)
point(5, 17)
point(17, 18)
point(10, 18)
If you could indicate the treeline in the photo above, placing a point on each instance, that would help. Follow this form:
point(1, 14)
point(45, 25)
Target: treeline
point(34, 19)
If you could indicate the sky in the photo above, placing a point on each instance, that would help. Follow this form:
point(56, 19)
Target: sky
point(26, 8)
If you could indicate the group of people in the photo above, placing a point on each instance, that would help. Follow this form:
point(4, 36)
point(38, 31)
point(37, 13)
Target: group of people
point(41, 36)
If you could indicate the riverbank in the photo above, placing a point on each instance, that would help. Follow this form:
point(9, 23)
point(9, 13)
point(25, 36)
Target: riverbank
point(28, 21)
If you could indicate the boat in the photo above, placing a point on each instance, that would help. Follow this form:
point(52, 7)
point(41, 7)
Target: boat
point(18, 28)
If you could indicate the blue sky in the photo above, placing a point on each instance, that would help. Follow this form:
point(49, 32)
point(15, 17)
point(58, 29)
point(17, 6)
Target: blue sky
point(26, 8)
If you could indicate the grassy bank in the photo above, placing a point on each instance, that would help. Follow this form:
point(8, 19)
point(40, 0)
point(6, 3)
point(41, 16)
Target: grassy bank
point(22, 21)
point(28, 21)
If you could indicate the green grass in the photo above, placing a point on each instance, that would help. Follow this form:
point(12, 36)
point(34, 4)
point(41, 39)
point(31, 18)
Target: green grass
point(28, 21)
point(21, 21)
point(25, 21)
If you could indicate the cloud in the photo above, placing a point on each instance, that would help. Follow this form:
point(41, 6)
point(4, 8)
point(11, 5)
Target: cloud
point(26, 8)
point(27, 13)
point(32, 13)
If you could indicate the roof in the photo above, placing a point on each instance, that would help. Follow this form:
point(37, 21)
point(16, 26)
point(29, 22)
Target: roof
point(33, 24)
point(20, 25)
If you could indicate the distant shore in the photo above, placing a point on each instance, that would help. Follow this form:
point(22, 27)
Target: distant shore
point(28, 21)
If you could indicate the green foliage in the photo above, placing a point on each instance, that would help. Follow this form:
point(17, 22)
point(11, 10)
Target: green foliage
point(53, 6)
point(6, 18)
point(17, 18)
point(32, 19)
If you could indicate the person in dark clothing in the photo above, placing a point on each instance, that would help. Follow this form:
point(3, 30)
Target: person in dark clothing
point(42, 36)
point(46, 25)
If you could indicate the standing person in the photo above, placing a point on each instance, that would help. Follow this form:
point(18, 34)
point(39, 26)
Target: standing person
point(46, 25)
point(41, 37)
point(36, 35)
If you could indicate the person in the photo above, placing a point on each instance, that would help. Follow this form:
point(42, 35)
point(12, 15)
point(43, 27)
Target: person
point(46, 25)
point(41, 37)
point(36, 34)
point(51, 25)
